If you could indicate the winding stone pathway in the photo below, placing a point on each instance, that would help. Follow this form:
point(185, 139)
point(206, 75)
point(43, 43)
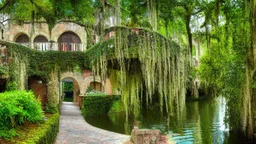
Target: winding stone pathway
point(75, 130)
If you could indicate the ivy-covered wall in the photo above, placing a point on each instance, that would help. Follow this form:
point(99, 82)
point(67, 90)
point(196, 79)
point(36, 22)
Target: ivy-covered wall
point(25, 62)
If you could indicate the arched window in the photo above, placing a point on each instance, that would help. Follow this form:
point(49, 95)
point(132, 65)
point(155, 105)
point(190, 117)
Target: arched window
point(40, 38)
point(41, 43)
point(69, 41)
point(22, 39)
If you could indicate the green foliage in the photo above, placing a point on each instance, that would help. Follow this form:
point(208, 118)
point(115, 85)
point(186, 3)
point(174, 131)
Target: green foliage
point(95, 93)
point(17, 107)
point(45, 133)
point(68, 86)
point(50, 11)
point(98, 105)
point(118, 106)
point(223, 67)
point(4, 70)
point(88, 89)
point(51, 108)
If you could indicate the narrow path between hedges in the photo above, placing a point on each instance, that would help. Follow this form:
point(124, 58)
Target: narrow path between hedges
point(75, 130)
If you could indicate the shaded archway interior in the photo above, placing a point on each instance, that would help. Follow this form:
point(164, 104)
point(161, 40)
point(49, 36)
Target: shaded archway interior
point(22, 38)
point(73, 93)
point(40, 39)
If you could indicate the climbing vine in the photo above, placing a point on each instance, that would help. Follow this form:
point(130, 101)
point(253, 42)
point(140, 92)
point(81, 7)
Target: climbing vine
point(25, 62)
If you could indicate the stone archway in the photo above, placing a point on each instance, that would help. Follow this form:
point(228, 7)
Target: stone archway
point(77, 80)
point(22, 39)
point(75, 92)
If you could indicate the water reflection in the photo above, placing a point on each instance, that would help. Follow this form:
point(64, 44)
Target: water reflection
point(200, 122)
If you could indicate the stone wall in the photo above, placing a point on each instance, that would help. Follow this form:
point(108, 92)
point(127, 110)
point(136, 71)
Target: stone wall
point(147, 136)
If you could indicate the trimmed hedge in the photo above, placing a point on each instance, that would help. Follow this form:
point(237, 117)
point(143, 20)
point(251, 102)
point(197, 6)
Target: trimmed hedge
point(45, 133)
point(98, 105)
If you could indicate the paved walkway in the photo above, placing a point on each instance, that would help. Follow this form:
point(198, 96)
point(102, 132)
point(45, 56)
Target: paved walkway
point(75, 130)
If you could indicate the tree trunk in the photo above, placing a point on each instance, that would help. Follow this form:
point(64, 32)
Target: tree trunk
point(187, 19)
point(249, 92)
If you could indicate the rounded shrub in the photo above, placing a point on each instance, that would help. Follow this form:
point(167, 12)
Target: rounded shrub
point(18, 107)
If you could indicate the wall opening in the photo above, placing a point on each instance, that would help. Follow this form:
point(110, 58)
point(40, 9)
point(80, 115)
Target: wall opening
point(22, 38)
point(68, 89)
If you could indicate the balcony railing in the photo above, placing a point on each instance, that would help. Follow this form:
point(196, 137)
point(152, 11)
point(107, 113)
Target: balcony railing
point(71, 47)
point(42, 46)
point(48, 46)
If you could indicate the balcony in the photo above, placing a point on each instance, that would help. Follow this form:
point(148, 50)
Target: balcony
point(71, 47)
point(52, 46)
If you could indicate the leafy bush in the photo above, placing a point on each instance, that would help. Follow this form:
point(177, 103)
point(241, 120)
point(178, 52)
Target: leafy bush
point(68, 86)
point(17, 107)
point(95, 93)
point(117, 106)
point(88, 89)
point(98, 105)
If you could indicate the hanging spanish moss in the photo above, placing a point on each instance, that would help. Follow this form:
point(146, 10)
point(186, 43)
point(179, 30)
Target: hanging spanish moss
point(148, 66)
point(152, 13)
point(17, 71)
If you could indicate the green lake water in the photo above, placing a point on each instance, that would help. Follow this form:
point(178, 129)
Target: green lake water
point(200, 122)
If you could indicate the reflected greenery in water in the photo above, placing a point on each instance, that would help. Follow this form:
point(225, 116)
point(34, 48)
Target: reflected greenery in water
point(200, 122)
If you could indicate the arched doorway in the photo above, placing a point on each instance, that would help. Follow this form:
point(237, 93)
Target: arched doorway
point(41, 43)
point(69, 41)
point(22, 39)
point(39, 87)
point(97, 86)
point(70, 89)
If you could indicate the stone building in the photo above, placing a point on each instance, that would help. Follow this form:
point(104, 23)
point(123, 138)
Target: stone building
point(63, 37)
